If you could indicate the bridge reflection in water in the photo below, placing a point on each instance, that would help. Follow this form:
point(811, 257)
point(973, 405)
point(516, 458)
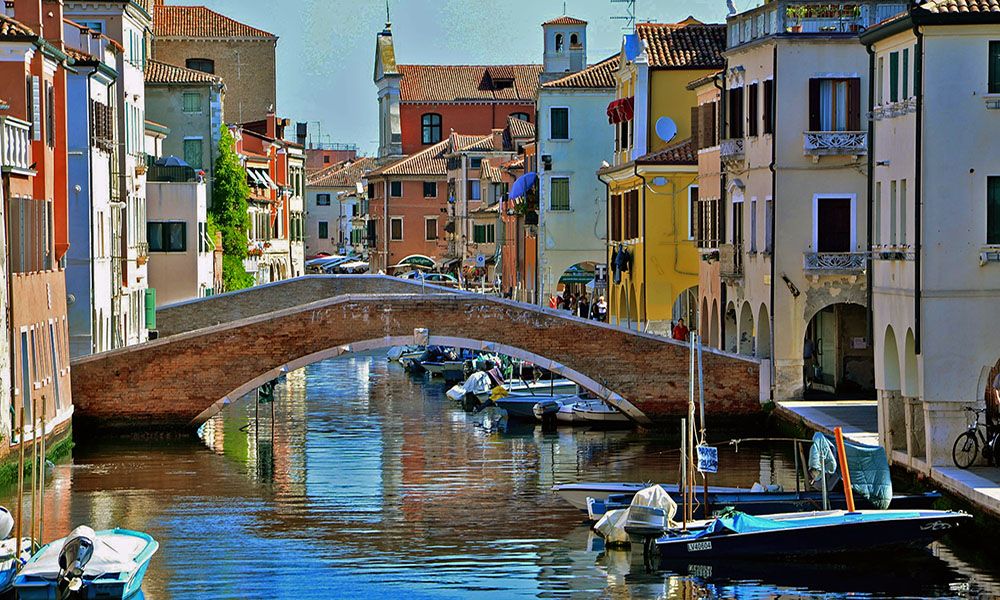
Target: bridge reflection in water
point(377, 486)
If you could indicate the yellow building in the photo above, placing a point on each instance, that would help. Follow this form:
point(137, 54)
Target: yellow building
point(653, 183)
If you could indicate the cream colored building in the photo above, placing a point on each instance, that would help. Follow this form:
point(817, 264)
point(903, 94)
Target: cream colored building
point(935, 197)
point(794, 148)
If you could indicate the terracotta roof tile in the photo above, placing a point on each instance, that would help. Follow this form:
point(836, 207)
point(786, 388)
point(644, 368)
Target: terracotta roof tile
point(449, 83)
point(491, 173)
point(679, 153)
point(430, 161)
point(201, 22)
point(10, 27)
point(960, 6)
point(684, 45)
point(565, 20)
point(601, 75)
point(162, 73)
point(458, 142)
point(344, 175)
point(79, 55)
point(519, 128)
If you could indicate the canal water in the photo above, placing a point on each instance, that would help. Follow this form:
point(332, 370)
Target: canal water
point(373, 485)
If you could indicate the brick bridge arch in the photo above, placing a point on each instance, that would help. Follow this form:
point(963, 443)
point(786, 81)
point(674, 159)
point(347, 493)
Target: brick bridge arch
point(213, 350)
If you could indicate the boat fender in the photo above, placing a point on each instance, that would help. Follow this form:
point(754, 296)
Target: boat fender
point(6, 522)
point(74, 555)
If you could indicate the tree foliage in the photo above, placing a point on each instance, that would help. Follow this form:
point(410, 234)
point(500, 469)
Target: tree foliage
point(230, 212)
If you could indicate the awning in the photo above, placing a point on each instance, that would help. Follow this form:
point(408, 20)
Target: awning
point(267, 179)
point(415, 261)
point(523, 184)
point(621, 110)
point(256, 177)
point(576, 274)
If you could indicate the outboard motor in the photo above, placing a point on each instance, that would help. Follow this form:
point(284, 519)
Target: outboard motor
point(545, 411)
point(76, 552)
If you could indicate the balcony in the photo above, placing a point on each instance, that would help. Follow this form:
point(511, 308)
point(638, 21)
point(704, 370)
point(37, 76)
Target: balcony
point(810, 17)
point(835, 143)
point(834, 263)
point(731, 150)
point(15, 145)
point(731, 261)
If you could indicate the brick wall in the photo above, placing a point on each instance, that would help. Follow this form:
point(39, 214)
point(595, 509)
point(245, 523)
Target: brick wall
point(166, 384)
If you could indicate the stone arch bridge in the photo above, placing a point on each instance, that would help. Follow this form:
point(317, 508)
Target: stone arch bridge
point(213, 350)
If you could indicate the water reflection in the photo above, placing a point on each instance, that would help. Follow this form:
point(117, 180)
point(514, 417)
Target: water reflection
point(370, 483)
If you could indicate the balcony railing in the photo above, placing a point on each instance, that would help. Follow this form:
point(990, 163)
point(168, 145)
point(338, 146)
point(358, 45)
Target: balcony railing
point(15, 144)
point(731, 261)
point(850, 263)
point(808, 17)
point(731, 149)
point(835, 143)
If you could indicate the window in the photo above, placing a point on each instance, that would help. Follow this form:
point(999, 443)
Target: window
point(752, 100)
point(877, 211)
point(521, 115)
point(205, 65)
point(616, 218)
point(192, 102)
point(322, 199)
point(430, 125)
point(193, 152)
point(753, 225)
point(396, 189)
point(484, 234)
point(833, 229)
point(881, 79)
point(97, 26)
point(559, 188)
point(166, 236)
point(906, 73)
point(993, 210)
point(893, 76)
point(631, 220)
point(574, 40)
point(835, 104)
point(475, 189)
point(430, 228)
point(994, 68)
point(396, 229)
point(892, 213)
point(326, 159)
point(769, 106)
point(559, 126)
point(692, 211)
point(371, 190)
point(902, 211)
point(769, 226)
point(559, 42)
point(430, 189)
point(735, 113)
point(50, 115)
point(476, 162)
point(324, 230)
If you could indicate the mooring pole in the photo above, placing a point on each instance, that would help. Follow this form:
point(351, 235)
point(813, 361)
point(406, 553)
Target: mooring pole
point(41, 476)
point(34, 464)
point(684, 484)
point(20, 480)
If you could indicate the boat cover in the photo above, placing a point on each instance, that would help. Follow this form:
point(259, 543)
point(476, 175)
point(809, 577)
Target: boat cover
point(113, 553)
point(477, 383)
point(612, 524)
point(870, 476)
point(740, 522)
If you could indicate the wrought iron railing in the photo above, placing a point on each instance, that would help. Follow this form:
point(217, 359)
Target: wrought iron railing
point(835, 262)
point(731, 260)
point(827, 143)
point(731, 149)
point(808, 17)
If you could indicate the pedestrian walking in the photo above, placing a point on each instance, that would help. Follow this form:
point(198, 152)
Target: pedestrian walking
point(583, 307)
point(569, 302)
point(680, 331)
point(553, 301)
point(599, 312)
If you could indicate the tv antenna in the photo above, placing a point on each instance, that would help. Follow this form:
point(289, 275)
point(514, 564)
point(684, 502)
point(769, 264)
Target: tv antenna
point(628, 17)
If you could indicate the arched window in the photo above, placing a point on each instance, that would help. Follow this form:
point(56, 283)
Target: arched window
point(431, 127)
point(574, 40)
point(521, 115)
point(205, 65)
point(559, 42)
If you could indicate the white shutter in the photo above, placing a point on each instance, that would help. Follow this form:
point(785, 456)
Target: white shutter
point(36, 101)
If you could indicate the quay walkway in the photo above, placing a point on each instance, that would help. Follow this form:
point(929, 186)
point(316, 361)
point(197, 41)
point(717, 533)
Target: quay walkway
point(980, 486)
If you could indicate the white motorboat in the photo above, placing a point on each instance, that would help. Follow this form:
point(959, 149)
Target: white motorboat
point(398, 353)
point(481, 383)
point(598, 412)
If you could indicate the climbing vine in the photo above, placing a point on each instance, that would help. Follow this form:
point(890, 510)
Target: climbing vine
point(230, 213)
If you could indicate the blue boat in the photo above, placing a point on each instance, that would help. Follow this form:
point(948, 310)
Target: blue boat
point(104, 564)
point(810, 534)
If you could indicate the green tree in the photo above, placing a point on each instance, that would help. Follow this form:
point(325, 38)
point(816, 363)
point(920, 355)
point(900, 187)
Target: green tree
point(230, 212)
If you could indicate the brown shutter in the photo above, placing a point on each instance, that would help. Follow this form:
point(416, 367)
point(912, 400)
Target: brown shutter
point(752, 109)
point(695, 110)
point(814, 121)
point(769, 106)
point(854, 104)
point(712, 123)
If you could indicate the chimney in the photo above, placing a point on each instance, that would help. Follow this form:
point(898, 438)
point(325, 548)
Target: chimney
point(29, 12)
point(272, 125)
point(301, 133)
point(52, 20)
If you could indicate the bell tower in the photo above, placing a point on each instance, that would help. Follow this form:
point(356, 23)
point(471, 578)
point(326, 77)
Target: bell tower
point(565, 47)
point(387, 78)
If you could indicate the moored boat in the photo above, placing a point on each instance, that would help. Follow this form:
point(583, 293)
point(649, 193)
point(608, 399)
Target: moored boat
point(811, 534)
point(598, 412)
point(87, 564)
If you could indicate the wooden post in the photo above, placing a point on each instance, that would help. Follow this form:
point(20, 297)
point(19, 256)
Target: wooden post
point(684, 483)
point(34, 464)
point(845, 472)
point(20, 483)
point(41, 477)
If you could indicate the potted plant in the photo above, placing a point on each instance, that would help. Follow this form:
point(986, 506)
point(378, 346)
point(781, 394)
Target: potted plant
point(855, 18)
point(796, 13)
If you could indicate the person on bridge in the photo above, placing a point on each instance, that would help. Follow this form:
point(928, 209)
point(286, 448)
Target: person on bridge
point(680, 331)
point(553, 301)
point(599, 311)
point(583, 307)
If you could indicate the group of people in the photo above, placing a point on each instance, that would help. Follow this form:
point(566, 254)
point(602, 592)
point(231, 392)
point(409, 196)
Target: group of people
point(581, 306)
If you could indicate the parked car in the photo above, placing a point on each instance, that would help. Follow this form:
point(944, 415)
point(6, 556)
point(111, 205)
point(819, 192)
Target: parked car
point(445, 279)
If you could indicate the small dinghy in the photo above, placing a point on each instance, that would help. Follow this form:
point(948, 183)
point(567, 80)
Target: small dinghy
point(87, 564)
point(597, 412)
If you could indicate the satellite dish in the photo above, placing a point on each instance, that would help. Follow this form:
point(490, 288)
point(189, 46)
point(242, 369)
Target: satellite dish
point(666, 129)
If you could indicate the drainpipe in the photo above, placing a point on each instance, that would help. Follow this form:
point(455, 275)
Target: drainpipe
point(385, 225)
point(918, 76)
point(721, 216)
point(869, 260)
point(774, 201)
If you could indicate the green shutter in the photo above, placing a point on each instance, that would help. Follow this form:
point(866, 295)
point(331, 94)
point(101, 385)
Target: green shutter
point(559, 124)
point(893, 76)
point(150, 308)
point(560, 194)
point(906, 73)
point(994, 84)
point(993, 210)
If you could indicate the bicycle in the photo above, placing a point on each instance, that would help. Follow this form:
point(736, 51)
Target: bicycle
point(966, 448)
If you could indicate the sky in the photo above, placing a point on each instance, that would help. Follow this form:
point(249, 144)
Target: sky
point(326, 48)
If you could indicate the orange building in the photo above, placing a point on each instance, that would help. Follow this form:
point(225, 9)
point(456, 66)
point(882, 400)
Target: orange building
point(35, 174)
